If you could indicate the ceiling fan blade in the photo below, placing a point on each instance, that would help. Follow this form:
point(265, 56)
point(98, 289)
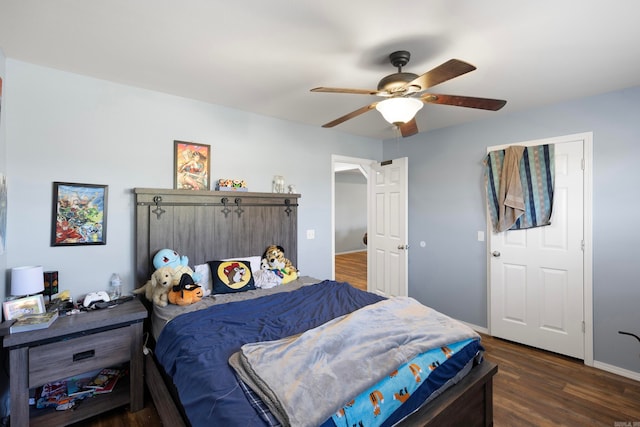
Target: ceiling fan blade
point(344, 90)
point(351, 115)
point(450, 69)
point(464, 101)
point(409, 128)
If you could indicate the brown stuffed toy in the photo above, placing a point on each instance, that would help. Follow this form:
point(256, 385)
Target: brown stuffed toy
point(274, 255)
point(185, 292)
point(273, 259)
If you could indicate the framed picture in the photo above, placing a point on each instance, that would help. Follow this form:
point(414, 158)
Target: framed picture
point(79, 214)
point(192, 166)
point(19, 307)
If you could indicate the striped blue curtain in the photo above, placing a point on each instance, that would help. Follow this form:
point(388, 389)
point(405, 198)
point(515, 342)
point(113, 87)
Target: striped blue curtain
point(537, 178)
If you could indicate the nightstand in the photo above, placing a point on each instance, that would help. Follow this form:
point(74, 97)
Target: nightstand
point(74, 345)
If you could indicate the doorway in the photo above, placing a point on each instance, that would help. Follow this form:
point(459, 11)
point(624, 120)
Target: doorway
point(539, 280)
point(350, 180)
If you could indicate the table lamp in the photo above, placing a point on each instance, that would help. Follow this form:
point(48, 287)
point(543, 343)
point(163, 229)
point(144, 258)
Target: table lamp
point(27, 280)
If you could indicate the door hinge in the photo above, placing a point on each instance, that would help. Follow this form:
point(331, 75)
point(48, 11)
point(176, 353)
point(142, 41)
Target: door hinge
point(583, 327)
point(582, 245)
point(582, 163)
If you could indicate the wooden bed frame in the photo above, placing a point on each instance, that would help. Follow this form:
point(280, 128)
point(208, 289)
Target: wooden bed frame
point(209, 225)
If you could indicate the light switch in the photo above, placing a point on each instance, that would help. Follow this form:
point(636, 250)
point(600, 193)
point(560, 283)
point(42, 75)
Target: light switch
point(480, 236)
point(311, 234)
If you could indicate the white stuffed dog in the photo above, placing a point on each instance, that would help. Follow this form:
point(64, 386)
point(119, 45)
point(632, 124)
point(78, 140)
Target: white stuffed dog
point(157, 288)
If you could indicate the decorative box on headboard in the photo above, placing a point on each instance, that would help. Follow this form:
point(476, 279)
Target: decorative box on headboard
point(212, 225)
point(231, 185)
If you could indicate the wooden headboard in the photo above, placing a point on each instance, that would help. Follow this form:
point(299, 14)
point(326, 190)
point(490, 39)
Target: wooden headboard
point(211, 225)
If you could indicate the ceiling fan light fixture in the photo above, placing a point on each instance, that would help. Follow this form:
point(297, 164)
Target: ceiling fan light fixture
point(399, 110)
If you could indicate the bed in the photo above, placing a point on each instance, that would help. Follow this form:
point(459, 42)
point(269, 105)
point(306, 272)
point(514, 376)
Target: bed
point(220, 361)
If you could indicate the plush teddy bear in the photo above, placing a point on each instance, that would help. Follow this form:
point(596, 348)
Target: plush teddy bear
point(274, 258)
point(162, 280)
point(185, 292)
point(157, 288)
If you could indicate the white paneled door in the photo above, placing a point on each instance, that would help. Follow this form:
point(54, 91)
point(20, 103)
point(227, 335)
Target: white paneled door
point(536, 275)
point(388, 235)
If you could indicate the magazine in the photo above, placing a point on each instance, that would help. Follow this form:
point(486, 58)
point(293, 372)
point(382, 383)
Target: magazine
point(52, 394)
point(32, 322)
point(78, 387)
point(67, 393)
point(105, 381)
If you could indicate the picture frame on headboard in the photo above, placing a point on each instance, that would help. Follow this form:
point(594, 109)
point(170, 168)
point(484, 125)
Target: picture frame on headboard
point(192, 166)
point(79, 214)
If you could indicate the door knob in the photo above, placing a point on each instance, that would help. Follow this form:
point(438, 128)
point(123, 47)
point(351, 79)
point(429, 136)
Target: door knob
point(496, 254)
point(403, 247)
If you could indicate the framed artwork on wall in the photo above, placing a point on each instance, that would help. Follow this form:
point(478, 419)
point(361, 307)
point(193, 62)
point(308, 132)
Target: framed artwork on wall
point(192, 166)
point(79, 214)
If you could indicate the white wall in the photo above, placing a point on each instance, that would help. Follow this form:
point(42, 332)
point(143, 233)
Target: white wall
point(71, 128)
point(3, 155)
point(350, 211)
point(4, 379)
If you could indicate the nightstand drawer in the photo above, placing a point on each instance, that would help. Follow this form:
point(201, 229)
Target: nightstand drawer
point(74, 356)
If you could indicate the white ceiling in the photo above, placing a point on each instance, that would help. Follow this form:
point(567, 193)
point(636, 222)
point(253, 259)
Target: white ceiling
point(263, 56)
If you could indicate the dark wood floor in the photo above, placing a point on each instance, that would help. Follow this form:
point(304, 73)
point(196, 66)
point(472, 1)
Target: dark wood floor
point(121, 417)
point(533, 388)
point(538, 388)
point(352, 268)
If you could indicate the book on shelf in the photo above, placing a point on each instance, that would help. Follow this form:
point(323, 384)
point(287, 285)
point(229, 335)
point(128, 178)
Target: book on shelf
point(105, 381)
point(51, 394)
point(78, 387)
point(65, 394)
point(32, 322)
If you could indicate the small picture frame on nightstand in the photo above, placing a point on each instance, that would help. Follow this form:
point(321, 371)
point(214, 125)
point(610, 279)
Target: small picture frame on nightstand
point(23, 306)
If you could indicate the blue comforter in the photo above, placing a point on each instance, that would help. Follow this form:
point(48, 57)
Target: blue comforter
point(194, 348)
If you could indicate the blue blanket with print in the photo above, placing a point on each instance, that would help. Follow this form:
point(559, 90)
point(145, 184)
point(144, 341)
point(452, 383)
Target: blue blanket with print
point(305, 378)
point(194, 348)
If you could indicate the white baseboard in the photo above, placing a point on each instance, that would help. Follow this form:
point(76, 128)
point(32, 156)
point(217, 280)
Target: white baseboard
point(478, 329)
point(617, 370)
point(351, 252)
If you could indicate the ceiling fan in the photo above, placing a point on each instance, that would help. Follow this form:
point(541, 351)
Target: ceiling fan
point(404, 93)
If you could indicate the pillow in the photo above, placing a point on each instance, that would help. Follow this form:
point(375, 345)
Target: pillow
point(231, 276)
point(205, 278)
point(253, 260)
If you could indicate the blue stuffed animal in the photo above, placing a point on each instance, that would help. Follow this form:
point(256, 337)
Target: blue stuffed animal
point(171, 258)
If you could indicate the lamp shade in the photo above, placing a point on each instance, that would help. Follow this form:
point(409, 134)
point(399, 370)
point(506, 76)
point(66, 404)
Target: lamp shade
point(399, 110)
point(27, 280)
